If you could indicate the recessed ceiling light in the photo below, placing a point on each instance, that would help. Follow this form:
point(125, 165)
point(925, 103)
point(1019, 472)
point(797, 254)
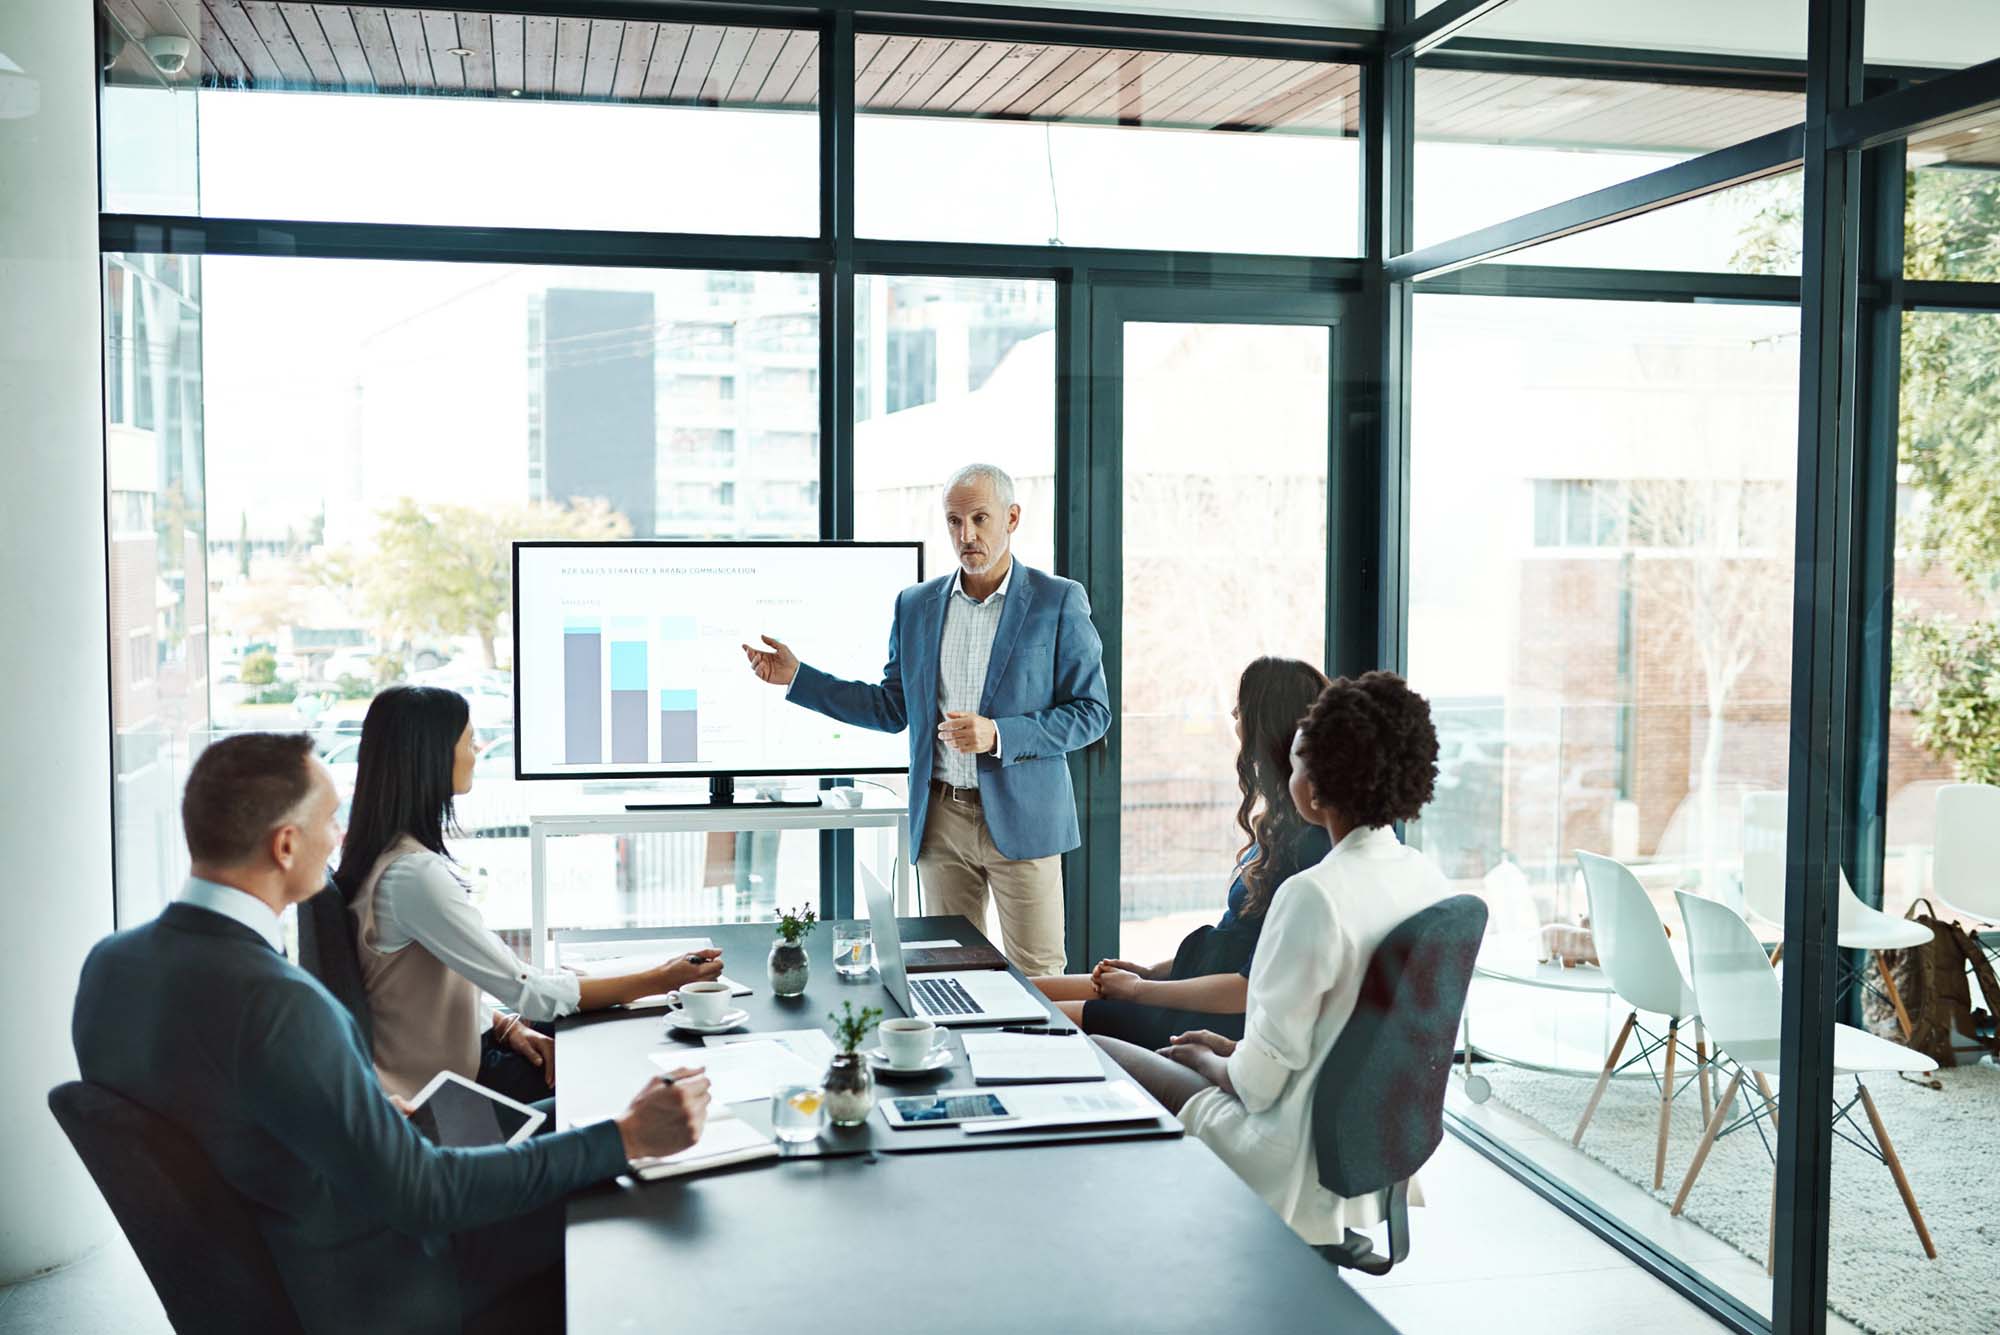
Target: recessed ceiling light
point(513, 92)
point(461, 51)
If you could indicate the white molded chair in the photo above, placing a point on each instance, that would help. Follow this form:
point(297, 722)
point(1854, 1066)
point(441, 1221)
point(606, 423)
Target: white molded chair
point(1966, 872)
point(1861, 927)
point(1632, 948)
point(1738, 992)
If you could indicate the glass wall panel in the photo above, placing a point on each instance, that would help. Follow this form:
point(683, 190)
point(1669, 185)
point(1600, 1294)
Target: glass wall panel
point(1768, 28)
point(1493, 145)
point(158, 561)
point(1944, 732)
point(369, 114)
point(377, 433)
point(1039, 144)
point(1951, 224)
point(1931, 34)
point(947, 372)
point(1753, 228)
point(1225, 560)
point(1600, 607)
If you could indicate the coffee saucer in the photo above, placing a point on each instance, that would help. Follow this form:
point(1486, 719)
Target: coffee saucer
point(937, 1061)
point(679, 1019)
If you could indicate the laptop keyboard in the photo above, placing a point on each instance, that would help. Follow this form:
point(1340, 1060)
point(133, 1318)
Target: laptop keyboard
point(944, 996)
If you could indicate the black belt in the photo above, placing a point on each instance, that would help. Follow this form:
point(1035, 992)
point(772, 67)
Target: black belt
point(943, 789)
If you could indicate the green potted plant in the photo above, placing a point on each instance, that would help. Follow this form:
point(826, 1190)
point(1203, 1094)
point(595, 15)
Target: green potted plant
point(850, 1085)
point(789, 969)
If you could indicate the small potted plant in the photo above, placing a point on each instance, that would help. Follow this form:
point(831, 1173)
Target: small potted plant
point(850, 1085)
point(789, 969)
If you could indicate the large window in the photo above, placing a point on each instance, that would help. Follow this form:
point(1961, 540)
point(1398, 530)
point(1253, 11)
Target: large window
point(1224, 538)
point(376, 434)
point(1100, 146)
point(361, 113)
point(1600, 612)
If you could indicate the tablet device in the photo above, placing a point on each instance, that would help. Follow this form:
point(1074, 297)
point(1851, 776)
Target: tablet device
point(948, 1108)
point(451, 1110)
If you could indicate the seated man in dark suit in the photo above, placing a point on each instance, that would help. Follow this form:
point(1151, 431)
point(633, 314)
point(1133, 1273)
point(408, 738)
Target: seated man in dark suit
point(199, 1017)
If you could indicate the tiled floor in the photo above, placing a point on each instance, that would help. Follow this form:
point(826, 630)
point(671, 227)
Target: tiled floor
point(1485, 1251)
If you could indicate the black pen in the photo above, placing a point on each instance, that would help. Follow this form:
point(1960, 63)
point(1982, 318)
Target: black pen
point(1044, 1030)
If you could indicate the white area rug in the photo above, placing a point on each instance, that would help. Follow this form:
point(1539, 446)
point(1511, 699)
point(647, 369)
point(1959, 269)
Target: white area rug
point(1949, 1144)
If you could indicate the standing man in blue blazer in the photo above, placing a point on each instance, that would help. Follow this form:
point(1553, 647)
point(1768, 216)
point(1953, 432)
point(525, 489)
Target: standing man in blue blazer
point(998, 674)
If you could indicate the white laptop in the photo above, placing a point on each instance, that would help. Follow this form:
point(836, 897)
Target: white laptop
point(975, 996)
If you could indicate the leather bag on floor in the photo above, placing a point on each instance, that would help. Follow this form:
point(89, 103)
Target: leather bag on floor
point(1936, 992)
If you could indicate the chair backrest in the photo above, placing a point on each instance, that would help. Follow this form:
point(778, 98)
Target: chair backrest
point(1764, 854)
point(1733, 979)
point(1966, 874)
point(1631, 942)
point(194, 1235)
point(329, 952)
point(1378, 1102)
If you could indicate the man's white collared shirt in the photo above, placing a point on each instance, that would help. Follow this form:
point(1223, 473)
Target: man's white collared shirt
point(964, 653)
point(236, 905)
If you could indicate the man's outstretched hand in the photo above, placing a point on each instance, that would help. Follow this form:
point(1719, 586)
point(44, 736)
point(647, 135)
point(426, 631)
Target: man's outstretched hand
point(776, 665)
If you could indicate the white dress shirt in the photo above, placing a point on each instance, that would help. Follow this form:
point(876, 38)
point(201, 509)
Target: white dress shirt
point(964, 653)
point(424, 898)
point(236, 905)
point(1321, 931)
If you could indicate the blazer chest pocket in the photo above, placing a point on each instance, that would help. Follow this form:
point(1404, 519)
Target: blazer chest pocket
point(1027, 680)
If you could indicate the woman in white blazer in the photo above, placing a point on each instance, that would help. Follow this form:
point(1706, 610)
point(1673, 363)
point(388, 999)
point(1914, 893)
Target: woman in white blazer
point(1364, 758)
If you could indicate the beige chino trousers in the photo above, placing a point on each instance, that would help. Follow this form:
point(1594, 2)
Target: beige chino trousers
point(958, 865)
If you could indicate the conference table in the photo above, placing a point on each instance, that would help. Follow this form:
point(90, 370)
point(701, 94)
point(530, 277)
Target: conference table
point(871, 1229)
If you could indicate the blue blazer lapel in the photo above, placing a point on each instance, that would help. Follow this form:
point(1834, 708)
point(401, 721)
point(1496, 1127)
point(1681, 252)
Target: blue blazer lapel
point(926, 647)
point(1012, 616)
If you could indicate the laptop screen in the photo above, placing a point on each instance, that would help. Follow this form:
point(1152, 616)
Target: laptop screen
point(888, 942)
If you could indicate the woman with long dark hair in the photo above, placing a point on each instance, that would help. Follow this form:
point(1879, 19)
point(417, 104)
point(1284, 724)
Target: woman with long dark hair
point(426, 954)
point(1204, 985)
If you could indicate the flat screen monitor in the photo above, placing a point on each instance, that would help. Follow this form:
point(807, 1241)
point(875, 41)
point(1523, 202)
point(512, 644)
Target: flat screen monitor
point(628, 658)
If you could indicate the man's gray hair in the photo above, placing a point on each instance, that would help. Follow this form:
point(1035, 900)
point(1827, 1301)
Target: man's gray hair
point(994, 478)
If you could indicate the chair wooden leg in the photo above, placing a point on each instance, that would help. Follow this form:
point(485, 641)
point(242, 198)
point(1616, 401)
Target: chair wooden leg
point(1764, 1088)
point(1666, 1105)
point(1896, 1171)
point(1777, 954)
point(1708, 1136)
point(1603, 1079)
point(1895, 998)
point(1701, 1070)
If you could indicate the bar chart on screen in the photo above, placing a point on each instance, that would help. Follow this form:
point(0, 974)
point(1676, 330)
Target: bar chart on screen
point(630, 657)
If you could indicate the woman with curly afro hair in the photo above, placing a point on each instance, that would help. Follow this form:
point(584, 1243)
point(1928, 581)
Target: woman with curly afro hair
point(1364, 758)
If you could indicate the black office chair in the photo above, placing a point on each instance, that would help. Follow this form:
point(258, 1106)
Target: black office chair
point(1378, 1106)
point(328, 951)
point(192, 1232)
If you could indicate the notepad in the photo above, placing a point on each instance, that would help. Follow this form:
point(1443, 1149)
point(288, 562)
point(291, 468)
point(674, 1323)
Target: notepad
point(1037, 1106)
point(1026, 1059)
point(738, 1072)
point(726, 1139)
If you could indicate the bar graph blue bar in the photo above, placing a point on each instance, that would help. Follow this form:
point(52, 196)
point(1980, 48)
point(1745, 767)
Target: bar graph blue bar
point(583, 695)
point(628, 702)
point(680, 735)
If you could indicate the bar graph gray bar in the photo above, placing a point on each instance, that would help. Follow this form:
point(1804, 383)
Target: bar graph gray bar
point(677, 735)
point(628, 727)
point(583, 697)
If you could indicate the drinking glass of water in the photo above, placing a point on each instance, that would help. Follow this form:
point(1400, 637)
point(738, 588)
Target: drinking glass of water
point(797, 1113)
point(853, 948)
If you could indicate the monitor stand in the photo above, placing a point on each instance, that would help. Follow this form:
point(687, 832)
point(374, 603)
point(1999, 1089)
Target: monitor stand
point(722, 793)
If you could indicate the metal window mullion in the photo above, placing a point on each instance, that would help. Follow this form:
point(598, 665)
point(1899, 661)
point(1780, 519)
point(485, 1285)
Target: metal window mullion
point(836, 360)
point(1825, 652)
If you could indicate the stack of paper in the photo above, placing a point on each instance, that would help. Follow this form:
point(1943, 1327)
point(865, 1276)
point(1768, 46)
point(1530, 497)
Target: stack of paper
point(811, 1046)
point(738, 1072)
point(1022, 1059)
point(726, 1139)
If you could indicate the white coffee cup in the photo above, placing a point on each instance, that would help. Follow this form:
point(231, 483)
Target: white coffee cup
point(909, 1043)
point(705, 1002)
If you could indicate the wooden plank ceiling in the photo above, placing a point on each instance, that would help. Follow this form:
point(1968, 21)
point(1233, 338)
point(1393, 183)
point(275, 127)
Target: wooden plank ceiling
point(287, 44)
